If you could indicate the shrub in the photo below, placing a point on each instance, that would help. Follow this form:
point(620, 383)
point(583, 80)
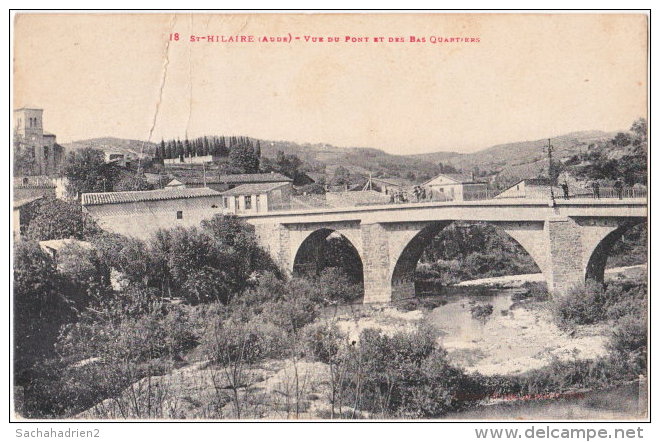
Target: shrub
point(582, 305)
point(231, 341)
point(39, 307)
point(404, 375)
point(335, 287)
point(299, 308)
point(322, 341)
point(481, 311)
point(629, 341)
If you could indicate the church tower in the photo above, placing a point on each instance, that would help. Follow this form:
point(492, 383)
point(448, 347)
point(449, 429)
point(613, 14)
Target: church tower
point(29, 134)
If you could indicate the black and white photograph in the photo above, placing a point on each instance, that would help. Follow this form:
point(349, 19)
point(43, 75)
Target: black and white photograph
point(330, 216)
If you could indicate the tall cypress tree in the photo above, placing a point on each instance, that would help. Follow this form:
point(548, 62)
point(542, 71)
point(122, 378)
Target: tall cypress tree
point(179, 149)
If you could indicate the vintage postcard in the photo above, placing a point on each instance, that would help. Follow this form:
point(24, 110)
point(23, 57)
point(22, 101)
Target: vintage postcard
point(330, 216)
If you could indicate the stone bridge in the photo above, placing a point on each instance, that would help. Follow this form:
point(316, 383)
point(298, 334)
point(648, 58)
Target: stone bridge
point(569, 241)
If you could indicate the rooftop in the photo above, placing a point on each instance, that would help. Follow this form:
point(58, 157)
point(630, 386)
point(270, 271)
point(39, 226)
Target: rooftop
point(252, 189)
point(91, 199)
point(235, 179)
point(461, 178)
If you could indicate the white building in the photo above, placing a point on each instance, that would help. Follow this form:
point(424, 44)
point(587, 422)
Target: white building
point(258, 197)
point(454, 187)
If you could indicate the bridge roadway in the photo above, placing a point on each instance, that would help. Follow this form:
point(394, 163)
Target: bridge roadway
point(569, 241)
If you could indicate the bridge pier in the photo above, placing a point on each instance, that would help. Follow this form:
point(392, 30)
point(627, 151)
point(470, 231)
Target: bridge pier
point(376, 263)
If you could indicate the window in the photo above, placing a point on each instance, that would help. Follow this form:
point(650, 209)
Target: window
point(225, 202)
point(179, 214)
point(25, 180)
point(248, 202)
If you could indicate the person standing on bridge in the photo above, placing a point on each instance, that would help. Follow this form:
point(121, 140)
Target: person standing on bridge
point(564, 187)
point(618, 187)
point(595, 187)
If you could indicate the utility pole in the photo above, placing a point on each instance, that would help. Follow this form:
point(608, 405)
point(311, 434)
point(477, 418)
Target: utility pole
point(550, 173)
point(204, 172)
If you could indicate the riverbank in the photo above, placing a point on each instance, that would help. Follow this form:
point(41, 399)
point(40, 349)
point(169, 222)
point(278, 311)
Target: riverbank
point(514, 281)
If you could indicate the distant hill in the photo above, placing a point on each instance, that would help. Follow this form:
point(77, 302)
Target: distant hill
point(358, 160)
point(506, 161)
point(506, 156)
point(108, 144)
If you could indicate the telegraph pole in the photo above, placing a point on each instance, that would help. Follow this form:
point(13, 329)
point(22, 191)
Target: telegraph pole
point(552, 192)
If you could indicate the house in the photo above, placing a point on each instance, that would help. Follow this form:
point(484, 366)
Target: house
point(199, 159)
point(141, 213)
point(21, 210)
point(258, 197)
point(388, 186)
point(533, 188)
point(226, 182)
point(114, 156)
point(454, 187)
point(539, 188)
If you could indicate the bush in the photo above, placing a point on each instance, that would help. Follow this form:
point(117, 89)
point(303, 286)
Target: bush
point(593, 302)
point(232, 341)
point(481, 311)
point(322, 341)
point(57, 219)
point(39, 307)
point(629, 341)
point(404, 375)
point(299, 308)
point(335, 287)
point(582, 305)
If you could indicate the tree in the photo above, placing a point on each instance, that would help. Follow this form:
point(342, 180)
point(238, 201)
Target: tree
point(39, 308)
point(341, 177)
point(621, 139)
point(57, 219)
point(132, 181)
point(243, 158)
point(639, 128)
point(87, 171)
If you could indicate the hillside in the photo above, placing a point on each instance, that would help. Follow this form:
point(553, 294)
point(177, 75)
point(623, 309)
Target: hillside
point(114, 144)
point(510, 156)
point(506, 161)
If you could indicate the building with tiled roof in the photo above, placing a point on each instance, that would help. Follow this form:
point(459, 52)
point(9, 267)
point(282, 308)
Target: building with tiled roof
point(89, 199)
point(141, 213)
point(224, 182)
point(453, 187)
point(258, 197)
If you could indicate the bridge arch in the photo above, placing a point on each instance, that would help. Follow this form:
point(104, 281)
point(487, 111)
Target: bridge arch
point(412, 248)
point(328, 247)
point(599, 250)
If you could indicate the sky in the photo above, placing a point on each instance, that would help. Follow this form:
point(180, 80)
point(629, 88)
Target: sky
point(528, 77)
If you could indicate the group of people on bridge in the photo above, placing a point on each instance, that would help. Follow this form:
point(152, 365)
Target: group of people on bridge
point(419, 193)
point(595, 189)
